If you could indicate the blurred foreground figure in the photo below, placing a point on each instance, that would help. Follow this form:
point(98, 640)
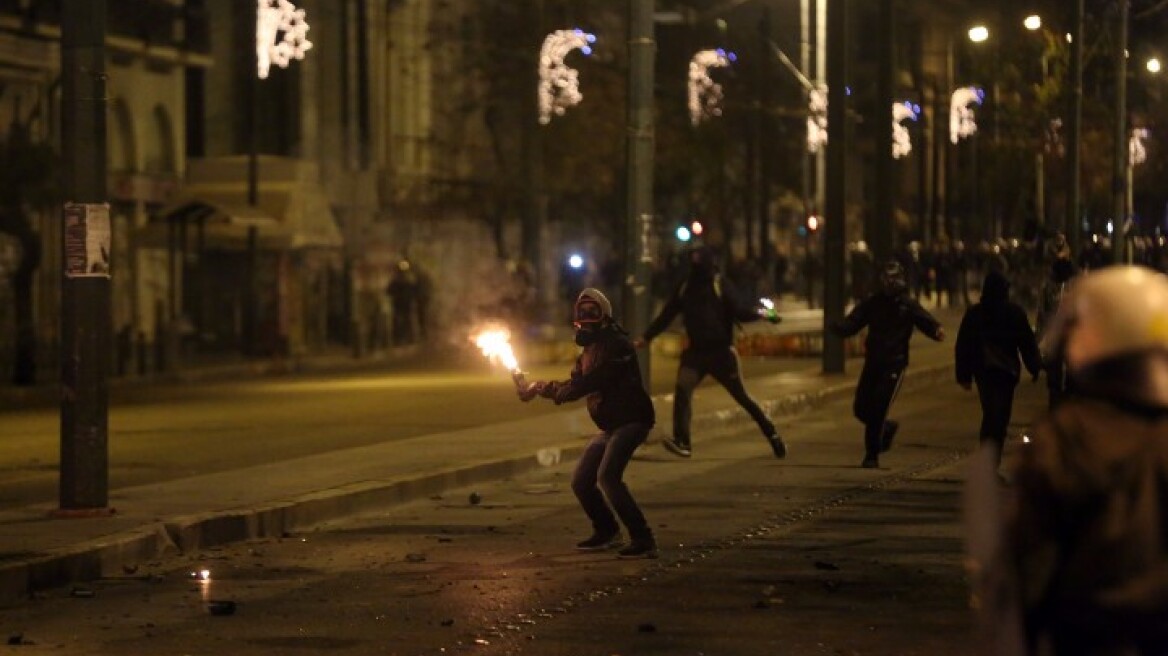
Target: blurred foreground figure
point(1086, 536)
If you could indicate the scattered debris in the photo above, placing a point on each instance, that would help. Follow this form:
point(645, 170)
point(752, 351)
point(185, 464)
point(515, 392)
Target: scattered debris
point(415, 558)
point(647, 627)
point(81, 593)
point(831, 567)
point(475, 498)
point(448, 622)
point(221, 608)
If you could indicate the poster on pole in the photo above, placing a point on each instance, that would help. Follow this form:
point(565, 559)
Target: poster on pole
point(87, 240)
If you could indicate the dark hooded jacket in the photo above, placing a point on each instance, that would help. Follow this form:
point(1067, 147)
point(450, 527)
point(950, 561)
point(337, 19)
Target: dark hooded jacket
point(993, 333)
point(607, 373)
point(890, 319)
point(709, 308)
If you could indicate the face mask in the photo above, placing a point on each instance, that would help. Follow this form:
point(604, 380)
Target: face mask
point(586, 335)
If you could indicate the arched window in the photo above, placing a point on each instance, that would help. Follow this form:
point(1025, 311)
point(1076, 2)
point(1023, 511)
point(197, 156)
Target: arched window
point(161, 155)
point(122, 153)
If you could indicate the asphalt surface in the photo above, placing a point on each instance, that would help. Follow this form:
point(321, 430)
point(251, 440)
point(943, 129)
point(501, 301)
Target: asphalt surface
point(807, 555)
point(195, 467)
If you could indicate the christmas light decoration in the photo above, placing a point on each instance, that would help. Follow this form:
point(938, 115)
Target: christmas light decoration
point(901, 139)
point(281, 34)
point(559, 84)
point(961, 119)
point(704, 93)
point(816, 118)
point(1136, 148)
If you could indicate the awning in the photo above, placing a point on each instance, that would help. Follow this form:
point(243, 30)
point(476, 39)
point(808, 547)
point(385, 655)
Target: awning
point(291, 211)
point(222, 226)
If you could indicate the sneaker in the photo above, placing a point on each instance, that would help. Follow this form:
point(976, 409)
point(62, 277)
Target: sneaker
point(640, 548)
point(870, 462)
point(889, 433)
point(777, 445)
point(677, 448)
point(601, 542)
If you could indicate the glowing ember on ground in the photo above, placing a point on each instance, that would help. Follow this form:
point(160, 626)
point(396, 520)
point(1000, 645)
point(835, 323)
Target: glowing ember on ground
point(495, 343)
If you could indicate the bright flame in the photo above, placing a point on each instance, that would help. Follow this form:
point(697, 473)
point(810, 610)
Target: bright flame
point(767, 303)
point(495, 343)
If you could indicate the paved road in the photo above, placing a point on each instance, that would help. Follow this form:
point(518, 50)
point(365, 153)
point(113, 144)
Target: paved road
point(811, 555)
point(176, 431)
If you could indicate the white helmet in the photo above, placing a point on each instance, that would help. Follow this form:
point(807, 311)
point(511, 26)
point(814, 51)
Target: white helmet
point(1117, 310)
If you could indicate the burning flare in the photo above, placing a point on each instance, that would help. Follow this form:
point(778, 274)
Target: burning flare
point(495, 343)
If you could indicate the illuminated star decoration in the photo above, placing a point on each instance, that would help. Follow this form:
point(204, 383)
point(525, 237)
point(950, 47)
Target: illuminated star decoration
point(816, 118)
point(559, 84)
point(961, 119)
point(1137, 151)
point(704, 93)
point(273, 18)
point(901, 139)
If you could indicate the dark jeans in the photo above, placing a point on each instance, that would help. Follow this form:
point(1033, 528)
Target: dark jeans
point(996, 393)
point(722, 364)
point(875, 393)
point(602, 468)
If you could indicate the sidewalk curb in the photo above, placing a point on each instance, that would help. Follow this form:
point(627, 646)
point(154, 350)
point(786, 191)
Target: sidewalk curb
point(107, 556)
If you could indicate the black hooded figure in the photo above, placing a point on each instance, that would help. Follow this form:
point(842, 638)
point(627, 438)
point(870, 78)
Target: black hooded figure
point(710, 310)
point(890, 315)
point(993, 333)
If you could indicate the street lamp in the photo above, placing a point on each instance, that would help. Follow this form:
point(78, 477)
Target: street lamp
point(1033, 22)
point(979, 33)
point(1153, 65)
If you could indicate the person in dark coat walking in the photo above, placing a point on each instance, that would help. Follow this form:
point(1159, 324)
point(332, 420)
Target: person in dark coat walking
point(890, 315)
point(1062, 270)
point(607, 374)
point(993, 333)
point(710, 310)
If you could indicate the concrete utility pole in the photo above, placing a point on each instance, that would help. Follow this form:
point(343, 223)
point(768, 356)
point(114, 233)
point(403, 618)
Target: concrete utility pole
point(1071, 225)
point(838, 145)
point(1120, 170)
point(639, 219)
point(765, 150)
point(85, 285)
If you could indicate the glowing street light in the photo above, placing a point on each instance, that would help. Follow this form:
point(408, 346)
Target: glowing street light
point(1153, 65)
point(559, 84)
point(704, 93)
point(979, 33)
point(1033, 22)
point(281, 35)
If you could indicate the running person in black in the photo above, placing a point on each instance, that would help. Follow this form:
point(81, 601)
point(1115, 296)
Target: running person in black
point(710, 311)
point(890, 316)
point(607, 374)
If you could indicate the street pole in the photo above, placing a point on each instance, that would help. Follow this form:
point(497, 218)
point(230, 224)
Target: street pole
point(838, 145)
point(639, 218)
point(535, 206)
point(85, 285)
point(764, 151)
point(882, 222)
point(1071, 226)
point(1120, 172)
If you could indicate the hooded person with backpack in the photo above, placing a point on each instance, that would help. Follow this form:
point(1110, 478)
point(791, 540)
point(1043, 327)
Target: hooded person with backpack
point(994, 332)
point(710, 311)
point(606, 374)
